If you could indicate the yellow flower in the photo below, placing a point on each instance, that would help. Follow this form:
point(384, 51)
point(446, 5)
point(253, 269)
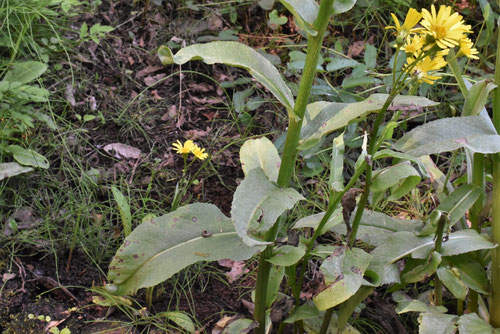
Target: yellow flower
point(199, 152)
point(188, 147)
point(426, 65)
point(414, 44)
point(467, 49)
point(402, 31)
point(444, 28)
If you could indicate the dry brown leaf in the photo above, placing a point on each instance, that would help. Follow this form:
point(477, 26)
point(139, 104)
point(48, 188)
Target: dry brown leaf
point(355, 49)
point(147, 70)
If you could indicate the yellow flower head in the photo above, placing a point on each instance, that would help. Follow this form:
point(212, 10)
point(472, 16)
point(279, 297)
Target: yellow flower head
point(444, 29)
point(402, 31)
point(467, 50)
point(414, 44)
point(199, 152)
point(426, 65)
point(188, 147)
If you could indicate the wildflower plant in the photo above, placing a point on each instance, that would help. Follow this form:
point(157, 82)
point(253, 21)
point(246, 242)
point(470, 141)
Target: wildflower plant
point(156, 250)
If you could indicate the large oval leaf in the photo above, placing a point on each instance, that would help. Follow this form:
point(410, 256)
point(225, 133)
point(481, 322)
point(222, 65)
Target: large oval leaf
point(476, 133)
point(28, 157)
point(305, 13)
point(238, 55)
point(161, 247)
point(323, 117)
point(9, 169)
point(257, 204)
point(260, 153)
point(24, 72)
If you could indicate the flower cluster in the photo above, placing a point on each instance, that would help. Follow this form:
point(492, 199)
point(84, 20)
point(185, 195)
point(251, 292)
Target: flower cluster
point(426, 45)
point(190, 147)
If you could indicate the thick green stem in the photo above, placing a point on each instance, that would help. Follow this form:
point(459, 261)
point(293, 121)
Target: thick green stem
point(495, 221)
point(326, 321)
point(290, 151)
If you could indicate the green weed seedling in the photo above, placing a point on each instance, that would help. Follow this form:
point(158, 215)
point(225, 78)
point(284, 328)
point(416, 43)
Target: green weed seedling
point(439, 247)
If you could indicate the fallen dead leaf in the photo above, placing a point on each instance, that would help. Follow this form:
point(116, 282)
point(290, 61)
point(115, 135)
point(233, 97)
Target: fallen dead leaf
point(237, 269)
point(355, 49)
point(8, 276)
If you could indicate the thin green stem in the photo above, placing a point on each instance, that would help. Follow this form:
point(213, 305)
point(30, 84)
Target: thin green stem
point(326, 321)
point(442, 223)
point(495, 221)
point(290, 152)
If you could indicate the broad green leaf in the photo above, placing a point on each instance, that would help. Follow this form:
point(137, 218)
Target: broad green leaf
point(313, 221)
point(370, 56)
point(477, 97)
point(124, 209)
point(339, 63)
point(407, 304)
point(240, 326)
point(24, 72)
point(302, 312)
point(343, 273)
point(433, 323)
point(387, 153)
point(472, 324)
point(9, 169)
point(471, 272)
point(160, 248)
point(459, 201)
point(323, 117)
point(28, 157)
point(238, 55)
point(181, 319)
point(257, 204)
point(423, 271)
point(337, 164)
point(260, 153)
point(275, 19)
point(342, 6)
point(402, 178)
point(313, 326)
point(476, 133)
point(275, 278)
point(287, 255)
point(266, 4)
point(375, 227)
point(452, 282)
point(305, 13)
point(355, 81)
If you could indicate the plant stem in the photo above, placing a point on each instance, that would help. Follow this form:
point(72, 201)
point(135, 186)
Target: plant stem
point(442, 222)
point(495, 221)
point(326, 321)
point(290, 151)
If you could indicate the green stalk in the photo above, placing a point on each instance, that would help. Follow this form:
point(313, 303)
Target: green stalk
point(495, 221)
point(290, 152)
point(442, 222)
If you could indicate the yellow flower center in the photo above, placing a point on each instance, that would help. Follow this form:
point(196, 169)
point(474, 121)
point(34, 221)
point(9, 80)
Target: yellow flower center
point(440, 32)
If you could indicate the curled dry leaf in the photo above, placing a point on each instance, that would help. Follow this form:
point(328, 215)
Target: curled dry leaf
point(123, 151)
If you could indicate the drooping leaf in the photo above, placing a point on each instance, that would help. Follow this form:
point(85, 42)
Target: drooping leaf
point(453, 282)
point(342, 6)
point(477, 97)
point(387, 153)
point(302, 312)
point(434, 323)
point(459, 201)
point(323, 117)
point(401, 178)
point(476, 133)
point(343, 273)
point(287, 255)
point(424, 270)
point(407, 304)
point(257, 204)
point(240, 326)
point(260, 153)
point(305, 13)
point(181, 319)
point(275, 278)
point(313, 221)
point(472, 324)
point(124, 209)
point(9, 169)
point(163, 246)
point(238, 55)
point(24, 72)
point(28, 157)
point(471, 272)
point(337, 164)
point(375, 227)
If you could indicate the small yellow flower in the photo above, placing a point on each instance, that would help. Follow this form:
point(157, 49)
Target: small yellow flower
point(467, 50)
point(426, 65)
point(199, 152)
point(444, 29)
point(414, 44)
point(403, 31)
point(188, 147)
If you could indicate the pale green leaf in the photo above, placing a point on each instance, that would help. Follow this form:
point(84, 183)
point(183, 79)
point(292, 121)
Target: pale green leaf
point(477, 97)
point(339, 63)
point(313, 221)
point(124, 209)
point(305, 13)
point(370, 56)
point(337, 164)
point(407, 304)
point(260, 153)
point(302, 312)
point(257, 204)
point(28, 157)
point(471, 272)
point(342, 6)
point(181, 319)
point(476, 133)
point(9, 169)
point(472, 324)
point(424, 270)
point(402, 178)
point(459, 201)
point(343, 273)
point(434, 323)
point(453, 282)
point(323, 117)
point(24, 72)
point(240, 326)
point(287, 255)
point(238, 55)
point(160, 248)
